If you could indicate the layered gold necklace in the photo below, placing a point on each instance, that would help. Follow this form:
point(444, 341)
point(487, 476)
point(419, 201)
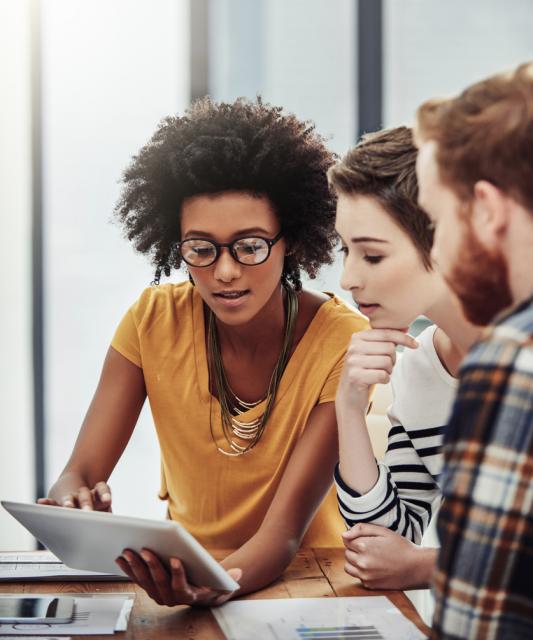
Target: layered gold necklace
point(231, 406)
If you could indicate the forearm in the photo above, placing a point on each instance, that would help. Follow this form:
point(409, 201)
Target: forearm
point(384, 506)
point(357, 464)
point(305, 482)
point(262, 559)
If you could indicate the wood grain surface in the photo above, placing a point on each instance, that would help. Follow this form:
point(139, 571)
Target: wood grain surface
point(313, 573)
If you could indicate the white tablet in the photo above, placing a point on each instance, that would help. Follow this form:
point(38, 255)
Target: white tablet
point(91, 540)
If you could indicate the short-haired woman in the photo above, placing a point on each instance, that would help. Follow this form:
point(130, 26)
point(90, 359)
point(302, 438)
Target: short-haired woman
point(386, 240)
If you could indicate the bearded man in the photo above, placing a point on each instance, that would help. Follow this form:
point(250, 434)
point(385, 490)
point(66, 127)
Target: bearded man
point(475, 174)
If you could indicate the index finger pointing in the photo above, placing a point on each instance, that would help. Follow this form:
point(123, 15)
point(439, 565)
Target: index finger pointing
point(85, 499)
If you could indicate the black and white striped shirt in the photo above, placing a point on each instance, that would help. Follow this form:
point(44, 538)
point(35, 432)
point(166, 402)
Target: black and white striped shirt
point(407, 490)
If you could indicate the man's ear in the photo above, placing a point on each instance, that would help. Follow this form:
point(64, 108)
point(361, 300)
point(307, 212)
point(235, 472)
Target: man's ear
point(490, 213)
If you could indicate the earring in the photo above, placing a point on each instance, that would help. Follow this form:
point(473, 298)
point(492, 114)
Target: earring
point(190, 278)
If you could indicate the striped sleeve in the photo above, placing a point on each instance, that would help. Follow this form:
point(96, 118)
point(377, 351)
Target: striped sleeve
point(406, 493)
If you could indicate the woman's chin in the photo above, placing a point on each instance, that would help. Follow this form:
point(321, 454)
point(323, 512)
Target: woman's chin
point(383, 324)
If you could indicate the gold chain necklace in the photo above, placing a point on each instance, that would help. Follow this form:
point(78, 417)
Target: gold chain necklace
point(231, 406)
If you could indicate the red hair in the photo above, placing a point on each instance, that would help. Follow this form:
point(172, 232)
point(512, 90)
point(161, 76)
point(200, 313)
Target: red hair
point(485, 133)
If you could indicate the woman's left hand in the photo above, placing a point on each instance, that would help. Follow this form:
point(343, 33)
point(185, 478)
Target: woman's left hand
point(383, 559)
point(169, 586)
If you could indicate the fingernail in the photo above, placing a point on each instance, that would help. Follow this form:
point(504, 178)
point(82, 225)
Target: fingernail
point(86, 507)
point(106, 497)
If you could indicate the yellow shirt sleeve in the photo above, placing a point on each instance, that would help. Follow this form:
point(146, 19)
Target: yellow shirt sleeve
point(126, 339)
point(330, 386)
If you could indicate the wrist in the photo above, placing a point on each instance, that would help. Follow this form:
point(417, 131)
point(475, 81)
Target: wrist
point(351, 398)
point(350, 413)
point(424, 560)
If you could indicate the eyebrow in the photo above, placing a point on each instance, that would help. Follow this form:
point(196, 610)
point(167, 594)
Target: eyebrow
point(240, 233)
point(368, 239)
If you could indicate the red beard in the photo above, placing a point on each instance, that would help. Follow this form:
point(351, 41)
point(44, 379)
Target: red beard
point(480, 280)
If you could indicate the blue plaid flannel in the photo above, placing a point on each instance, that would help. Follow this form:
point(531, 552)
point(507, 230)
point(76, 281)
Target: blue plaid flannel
point(484, 578)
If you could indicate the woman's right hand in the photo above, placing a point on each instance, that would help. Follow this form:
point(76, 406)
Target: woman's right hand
point(169, 585)
point(96, 499)
point(369, 360)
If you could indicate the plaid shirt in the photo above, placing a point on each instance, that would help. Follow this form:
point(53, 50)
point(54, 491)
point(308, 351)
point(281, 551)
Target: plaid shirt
point(484, 578)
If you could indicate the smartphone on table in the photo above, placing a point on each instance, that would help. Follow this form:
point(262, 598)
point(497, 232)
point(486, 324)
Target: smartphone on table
point(36, 609)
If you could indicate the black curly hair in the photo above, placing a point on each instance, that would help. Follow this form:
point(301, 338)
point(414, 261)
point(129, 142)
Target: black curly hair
point(245, 146)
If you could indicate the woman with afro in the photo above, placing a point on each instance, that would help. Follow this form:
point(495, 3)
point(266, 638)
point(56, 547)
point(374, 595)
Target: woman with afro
point(239, 363)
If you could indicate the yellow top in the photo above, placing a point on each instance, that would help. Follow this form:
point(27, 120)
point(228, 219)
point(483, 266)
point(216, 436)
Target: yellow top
point(222, 500)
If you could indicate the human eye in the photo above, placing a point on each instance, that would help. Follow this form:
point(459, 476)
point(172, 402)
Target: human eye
point(202, 250)
point(198, 252)
point(250, 246)
point(251, 250)
point(373, 259)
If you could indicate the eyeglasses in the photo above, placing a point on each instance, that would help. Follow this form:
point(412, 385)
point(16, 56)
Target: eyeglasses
point(199, 252)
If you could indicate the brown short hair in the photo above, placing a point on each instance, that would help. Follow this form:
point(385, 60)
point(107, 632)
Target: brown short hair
point(383, 166)
point(485, 133)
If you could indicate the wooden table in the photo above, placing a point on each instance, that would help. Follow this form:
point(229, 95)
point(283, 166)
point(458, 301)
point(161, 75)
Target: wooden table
point(313, 573)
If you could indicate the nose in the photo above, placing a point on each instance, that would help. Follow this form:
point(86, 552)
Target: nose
point(350, 278)
point(226, 267)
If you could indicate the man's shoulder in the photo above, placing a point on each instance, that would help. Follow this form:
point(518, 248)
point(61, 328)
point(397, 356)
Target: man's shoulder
point(517, 324)
point(508, 342)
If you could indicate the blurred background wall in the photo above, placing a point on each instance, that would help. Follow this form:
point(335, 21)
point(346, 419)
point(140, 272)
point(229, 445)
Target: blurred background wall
point(82, 87)
point(17, 477)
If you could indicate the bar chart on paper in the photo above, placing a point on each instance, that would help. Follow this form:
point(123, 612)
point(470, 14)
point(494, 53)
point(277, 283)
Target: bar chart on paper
point(361, 632)
point(361, 618)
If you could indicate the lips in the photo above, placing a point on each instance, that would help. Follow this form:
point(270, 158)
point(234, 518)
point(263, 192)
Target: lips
point(230, 295)
point(231, 298)
point(367, 309)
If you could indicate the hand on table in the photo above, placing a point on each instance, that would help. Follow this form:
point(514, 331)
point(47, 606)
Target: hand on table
point(96, 499)
point(383, 559)
point(170, 586)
